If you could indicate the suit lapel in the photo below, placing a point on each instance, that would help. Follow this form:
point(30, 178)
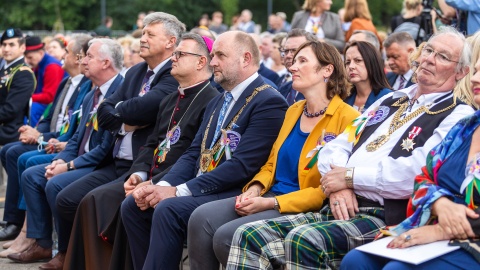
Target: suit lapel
point(242, 99)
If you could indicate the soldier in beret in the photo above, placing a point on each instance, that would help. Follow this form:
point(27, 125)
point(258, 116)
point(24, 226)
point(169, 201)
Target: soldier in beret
point(17, 83)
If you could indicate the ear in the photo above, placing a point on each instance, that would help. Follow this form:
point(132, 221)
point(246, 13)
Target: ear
point(171, 42)
point(462, 73)
point(328, 70)
point(202, 62)
point(107, 64)
point(247, 58)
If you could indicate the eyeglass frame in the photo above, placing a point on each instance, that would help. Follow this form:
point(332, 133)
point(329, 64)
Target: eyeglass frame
point(441, 56)
point(284, 52)
point(178, 54)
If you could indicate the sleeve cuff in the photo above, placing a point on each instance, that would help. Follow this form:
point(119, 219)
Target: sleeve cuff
point(163, 184)
point(142, 175)
point(363, 175)
point(183, 191)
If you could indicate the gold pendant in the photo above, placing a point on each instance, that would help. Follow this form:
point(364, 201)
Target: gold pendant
point(375, 144)
point(205, 160)
point(407, 144)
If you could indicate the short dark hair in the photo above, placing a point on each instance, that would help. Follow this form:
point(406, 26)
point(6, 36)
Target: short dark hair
point(373, 63)
point(328, 55)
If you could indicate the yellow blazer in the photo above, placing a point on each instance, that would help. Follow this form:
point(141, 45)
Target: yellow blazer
point(310, 197)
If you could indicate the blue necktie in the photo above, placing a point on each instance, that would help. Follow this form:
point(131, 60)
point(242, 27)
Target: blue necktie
point(402, 82)
point(145, 84)
point(221, 116)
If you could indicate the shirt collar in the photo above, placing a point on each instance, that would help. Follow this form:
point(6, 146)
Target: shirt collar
point(181, 90)
point(104, 87)
point(425, 99)
point(159, 66)
point(11, 63)
point(76, 80)
point(408, 75)
point(238, 90)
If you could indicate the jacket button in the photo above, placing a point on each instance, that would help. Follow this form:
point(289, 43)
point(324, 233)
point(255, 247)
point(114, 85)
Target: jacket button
point(202, 191)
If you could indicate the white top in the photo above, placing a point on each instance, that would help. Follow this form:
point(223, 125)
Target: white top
point(376, 175)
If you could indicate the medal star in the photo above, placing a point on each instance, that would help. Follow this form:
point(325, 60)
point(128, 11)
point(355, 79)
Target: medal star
point(407, 144)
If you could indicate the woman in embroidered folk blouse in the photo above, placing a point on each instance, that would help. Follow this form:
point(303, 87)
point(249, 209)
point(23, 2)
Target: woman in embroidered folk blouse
point(289, 182)
point(364, 67)
point(445, 201)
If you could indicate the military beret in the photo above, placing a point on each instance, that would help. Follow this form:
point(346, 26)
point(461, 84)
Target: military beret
point(11, 33)
point(33, 43)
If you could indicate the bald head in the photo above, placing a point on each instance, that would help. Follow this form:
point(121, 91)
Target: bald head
point(235, 57)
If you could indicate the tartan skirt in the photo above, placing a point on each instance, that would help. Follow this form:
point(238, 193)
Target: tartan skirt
point(302, 241)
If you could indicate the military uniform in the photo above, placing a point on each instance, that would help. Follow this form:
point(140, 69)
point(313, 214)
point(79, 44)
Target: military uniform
point(17, 83)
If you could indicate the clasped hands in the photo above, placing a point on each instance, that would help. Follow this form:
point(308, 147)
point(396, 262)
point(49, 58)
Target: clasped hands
point(55, 168)
point(250, 202)
point(147, 196)
point(28, 135)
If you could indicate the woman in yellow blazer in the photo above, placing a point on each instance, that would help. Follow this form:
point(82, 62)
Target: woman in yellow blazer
point(289, 182)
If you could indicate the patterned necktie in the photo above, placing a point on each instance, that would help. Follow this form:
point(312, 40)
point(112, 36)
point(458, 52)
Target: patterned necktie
point(402, 82)
point(88, 130)
point(221, 116)
point(58, 106)
point(145, 84)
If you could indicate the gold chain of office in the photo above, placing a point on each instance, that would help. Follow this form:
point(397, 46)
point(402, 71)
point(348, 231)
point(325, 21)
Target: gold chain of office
point(396, 123)
point(207, 154)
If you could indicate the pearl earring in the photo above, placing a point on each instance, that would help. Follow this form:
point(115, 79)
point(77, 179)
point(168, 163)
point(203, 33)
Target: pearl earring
point(325, 80)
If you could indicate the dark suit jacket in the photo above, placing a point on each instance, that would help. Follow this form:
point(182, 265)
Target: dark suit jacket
point(269, 74)
point(392, 77)
point(133, 109)
point(192, 118)
point(14, 101)
point(44, 124)
point(100, 141)
point(285, 89)
point(258, 126)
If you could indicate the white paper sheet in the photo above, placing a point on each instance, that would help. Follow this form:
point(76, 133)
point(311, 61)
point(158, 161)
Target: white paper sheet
point(414, 255)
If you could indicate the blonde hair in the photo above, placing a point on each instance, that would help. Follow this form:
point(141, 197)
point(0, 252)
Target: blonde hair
point(463, 89)
point(356, 9)
point(411, 4)
point(310, 5)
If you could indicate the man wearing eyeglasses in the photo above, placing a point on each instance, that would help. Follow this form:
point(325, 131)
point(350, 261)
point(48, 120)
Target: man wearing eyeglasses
point(399, 46)
point(129, 115)
point(295, 38)
point(367, 173)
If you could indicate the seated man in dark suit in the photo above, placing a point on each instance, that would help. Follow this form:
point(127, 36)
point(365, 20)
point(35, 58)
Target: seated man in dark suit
point(398, 47)
point(52, 126)
point(179, 117)
point(237, 129)
point(295, 38)
point(84, 152)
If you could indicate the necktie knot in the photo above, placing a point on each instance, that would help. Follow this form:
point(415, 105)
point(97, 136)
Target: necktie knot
point(149, 74)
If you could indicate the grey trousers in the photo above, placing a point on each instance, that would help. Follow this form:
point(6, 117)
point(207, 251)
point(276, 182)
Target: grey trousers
point(211, 228)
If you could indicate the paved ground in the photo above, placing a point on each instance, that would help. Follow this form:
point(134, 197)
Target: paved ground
point(6, 264)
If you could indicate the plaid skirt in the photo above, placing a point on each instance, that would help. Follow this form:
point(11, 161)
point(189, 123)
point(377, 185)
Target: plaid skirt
point(303, 241)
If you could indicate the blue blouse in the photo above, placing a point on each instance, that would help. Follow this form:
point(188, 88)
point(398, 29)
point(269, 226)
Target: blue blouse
point(286, 174)
point(350, 100)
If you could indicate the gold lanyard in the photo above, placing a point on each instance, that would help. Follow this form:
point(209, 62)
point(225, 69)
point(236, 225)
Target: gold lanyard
point(207, 154)
point(397, 123)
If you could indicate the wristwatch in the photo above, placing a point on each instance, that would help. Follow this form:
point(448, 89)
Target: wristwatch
point(349, 177)
point(275, 205)
point(69, 166)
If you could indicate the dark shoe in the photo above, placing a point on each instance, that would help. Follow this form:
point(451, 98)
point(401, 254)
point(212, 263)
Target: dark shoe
point(54, 264)
point(10, 232)
point(3, 224)
point(33, 254)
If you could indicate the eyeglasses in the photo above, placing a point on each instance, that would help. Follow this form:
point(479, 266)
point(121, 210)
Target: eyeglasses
point(79, 57)
point(440, 57)
point(179, 54)
point(285, 52)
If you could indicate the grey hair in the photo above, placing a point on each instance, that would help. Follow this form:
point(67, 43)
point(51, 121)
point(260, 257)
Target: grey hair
point(80, 40)
point(201, 47)
point(171, 24)
point(401, 38)
point(111, 50)
point(370, 37)
point(465, 54)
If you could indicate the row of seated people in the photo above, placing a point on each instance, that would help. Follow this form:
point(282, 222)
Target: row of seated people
point(202, 149)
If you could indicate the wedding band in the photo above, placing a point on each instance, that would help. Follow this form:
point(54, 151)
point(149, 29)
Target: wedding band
point(336, 203)
point(408, 237)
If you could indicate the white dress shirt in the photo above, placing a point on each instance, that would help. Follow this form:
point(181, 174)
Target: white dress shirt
point(377, 175)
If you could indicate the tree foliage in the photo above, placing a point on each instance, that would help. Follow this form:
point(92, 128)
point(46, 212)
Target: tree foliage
point(85, 14)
